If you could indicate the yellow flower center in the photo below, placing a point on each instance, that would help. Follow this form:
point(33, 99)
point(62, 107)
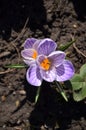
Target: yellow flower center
point(34, 54)
point(45, 64)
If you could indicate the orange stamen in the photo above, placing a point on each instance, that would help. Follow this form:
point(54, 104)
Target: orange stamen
point(45, 64)
point(34, 54)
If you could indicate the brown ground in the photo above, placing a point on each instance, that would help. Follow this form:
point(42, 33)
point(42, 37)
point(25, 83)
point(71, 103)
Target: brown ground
point(60, 20)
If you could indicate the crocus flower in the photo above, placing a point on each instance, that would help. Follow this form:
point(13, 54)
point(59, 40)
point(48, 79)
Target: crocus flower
point(50, 65)
point(29, 53)
point(34, 47)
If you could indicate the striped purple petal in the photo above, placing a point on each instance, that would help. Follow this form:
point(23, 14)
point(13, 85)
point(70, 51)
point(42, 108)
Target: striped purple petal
point(33, 75)
point(46, 46)
point(29, 43)
point(40, 59)
point(49, 75)
point(56, 57)
point(36, 44)
point(27, 53)
point(65, 71)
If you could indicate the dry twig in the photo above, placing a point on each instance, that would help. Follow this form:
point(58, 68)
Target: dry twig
point(12, 43)
point(78, 51)
point(3, 54)
point(7, 71)
point(22, 32)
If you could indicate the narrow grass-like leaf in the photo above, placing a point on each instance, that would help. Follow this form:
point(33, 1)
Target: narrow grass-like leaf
point(15, 66)
point(64, 47)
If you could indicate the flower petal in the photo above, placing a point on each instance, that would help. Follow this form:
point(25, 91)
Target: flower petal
point(46, 46)
point(49, 75)
point(36, 44)
point(27, 55)
point(29, 61)
point(40, 59)
point(64, 71)
point(33, 76)
point(43, 62)
point(29, 43)
point(57, 57)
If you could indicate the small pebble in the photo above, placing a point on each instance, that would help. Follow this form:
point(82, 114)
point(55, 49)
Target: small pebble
point(3, 98)
point(22, 92)
point(74, 25)
point(17, 103)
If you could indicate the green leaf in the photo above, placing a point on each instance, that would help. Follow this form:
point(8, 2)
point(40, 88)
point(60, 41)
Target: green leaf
point(79, 84)
point(83, 71)
point(77, 96)
point(84, 89)
point(76, 82)
point(76, 85)
point(15, 66)
point(77, 78)
point(81, 94)
point(64, 47)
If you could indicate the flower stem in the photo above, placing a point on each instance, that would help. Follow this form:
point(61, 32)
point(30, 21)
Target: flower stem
point(61, 91)
point(37, 94)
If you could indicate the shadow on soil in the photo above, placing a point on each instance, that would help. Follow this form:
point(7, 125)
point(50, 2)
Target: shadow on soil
point(13, 15)
point(51, 108)
point(80, 8)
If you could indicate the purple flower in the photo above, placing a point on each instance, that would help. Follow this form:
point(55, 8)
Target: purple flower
point(34, 47)
point(49, 65)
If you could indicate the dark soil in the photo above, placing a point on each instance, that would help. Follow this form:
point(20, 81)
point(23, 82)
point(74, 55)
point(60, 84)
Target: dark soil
point(60, 20)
